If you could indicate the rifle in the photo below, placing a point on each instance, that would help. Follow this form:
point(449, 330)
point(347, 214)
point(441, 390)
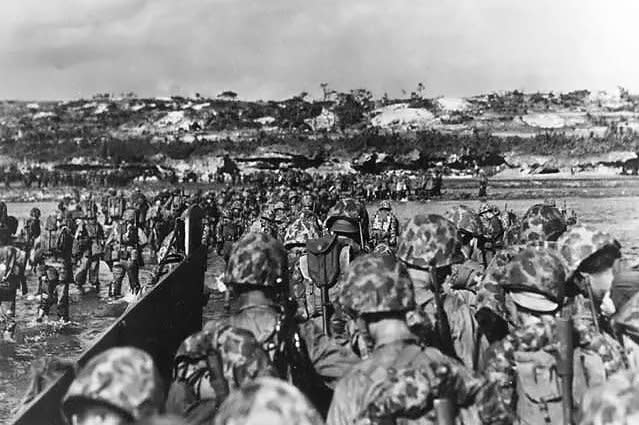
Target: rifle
point(444, 411)
point(443, 327)
point(565, 365)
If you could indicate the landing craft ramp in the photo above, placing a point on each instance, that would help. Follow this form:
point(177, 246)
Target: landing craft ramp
point(157, 323)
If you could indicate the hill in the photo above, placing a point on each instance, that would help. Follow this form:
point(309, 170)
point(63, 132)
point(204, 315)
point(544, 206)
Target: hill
point(534, 132)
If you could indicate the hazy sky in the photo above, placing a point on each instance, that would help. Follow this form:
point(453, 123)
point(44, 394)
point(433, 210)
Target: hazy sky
point(277, 48)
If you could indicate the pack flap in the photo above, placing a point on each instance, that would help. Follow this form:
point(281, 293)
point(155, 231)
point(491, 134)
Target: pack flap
point(322, 245)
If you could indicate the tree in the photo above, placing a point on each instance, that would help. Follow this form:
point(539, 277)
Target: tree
point(229, 94)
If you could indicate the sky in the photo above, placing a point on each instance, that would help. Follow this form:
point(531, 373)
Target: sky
point(274, 49)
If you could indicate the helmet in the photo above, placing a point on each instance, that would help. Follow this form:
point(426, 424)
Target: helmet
point(465, 219)
point(377, 284)
point(539, 271)
point(542, 222)
point(279, 205)
point(307, 201)
point(292, 195)
point(346, 216)
point(267, 401)
point(486, 208)
point(236, 205)
point(129, 215)
point(257, 259)
point(35, 213)
point(124, 378)
point(385, 205)
point(111, 191)
point(429, 239)
point(194, 347)
point(580, 242)
point(613, 403)
point(268, 214)
point(299, 232)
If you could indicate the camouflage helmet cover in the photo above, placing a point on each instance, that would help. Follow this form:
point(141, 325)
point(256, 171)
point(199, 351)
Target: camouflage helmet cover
point(541, 222)
point(123, 377)
point(267, 401)
point(465, 219)
point(580, 242)
point(348, 209)
point(129, 215)
point(300, 231)
point(257, 259)
point(537, 270)
point(307, 200)
point(614, 403)
point(194, 347)
point(427, 240)
point(376, 283)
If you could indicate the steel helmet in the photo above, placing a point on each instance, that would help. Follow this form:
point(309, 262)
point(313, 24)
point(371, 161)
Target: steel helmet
point(428, 240)
point(194, 347)
point(267, 401)
point(268, 214)
point(124, 378)
point(542, 222)
point(299, 232)
point(465, 219)
point(35, 213)
point(347, 215)
point(581, 242)
point(385, 205)
point(376, 284)
point(236, 205)
point(537, 271)
point(257, 259)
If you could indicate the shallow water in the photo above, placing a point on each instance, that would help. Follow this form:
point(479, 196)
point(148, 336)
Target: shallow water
point(91, 314)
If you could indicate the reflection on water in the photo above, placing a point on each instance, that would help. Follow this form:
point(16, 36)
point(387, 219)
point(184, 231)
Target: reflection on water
point(92, 314)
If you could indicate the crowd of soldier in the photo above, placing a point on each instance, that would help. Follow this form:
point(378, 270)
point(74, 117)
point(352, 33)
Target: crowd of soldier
point(475, 317)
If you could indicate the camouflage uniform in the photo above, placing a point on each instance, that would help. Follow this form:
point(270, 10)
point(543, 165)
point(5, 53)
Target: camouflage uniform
point(614, 403)
point(431, 241)
point(266, 223)
point(124, 379)
point(385, 225)
point(399, 379)
point(229, 357)
point(524, 363)
point(229, 229)
point(470, 229)
point(268, 401)
point(301, 353)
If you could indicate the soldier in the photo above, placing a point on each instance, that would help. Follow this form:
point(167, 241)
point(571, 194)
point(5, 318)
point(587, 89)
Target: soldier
point(268, 401)
point(90, 242)
point(493, 231)
point(307, 212)
point(32, 231)
point(400, 378)
point(229, 229)
point(282, 219)
point(5, 225)
point(483, 183)
point(591, 256)
point(208, 365)
point(125, 243)
point(266, 223)
point(306, 294)
point(524, 364)
point(115, 207)
point(12, 263)
point(119, 386)
point(385, 225)
point(54, 266)
point(257, 272)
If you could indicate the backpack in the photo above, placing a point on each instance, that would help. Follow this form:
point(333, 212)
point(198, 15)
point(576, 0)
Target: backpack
point(323, 260)
point(539, 394)
point(49, 238)
point(116, 207)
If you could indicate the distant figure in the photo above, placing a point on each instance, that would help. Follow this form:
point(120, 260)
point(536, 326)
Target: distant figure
point(483, 183)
